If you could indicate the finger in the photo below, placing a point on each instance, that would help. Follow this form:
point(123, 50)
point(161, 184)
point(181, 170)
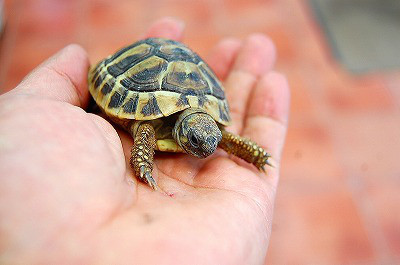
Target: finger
point(222, 56)
point(267, 117)
point(62, 77)
point(112, 139)
point(167, 27)
point(255, 58)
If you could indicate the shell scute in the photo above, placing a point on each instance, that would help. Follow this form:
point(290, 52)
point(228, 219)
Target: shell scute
point(151, 107)
point(129, 58)
point(185, 78)
point(144, 77)
point(130, 106)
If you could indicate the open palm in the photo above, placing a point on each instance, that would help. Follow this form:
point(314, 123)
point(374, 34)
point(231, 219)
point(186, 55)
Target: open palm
point(68, 195)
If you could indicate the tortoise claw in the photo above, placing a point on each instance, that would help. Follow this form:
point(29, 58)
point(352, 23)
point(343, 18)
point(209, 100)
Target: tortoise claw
point(267, 162)
point(146, 176)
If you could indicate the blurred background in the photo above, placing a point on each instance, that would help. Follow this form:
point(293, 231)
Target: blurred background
point(338, 201)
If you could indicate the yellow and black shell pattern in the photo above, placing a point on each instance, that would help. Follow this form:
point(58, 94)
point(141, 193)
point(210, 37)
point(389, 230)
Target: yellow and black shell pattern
point(155, 78)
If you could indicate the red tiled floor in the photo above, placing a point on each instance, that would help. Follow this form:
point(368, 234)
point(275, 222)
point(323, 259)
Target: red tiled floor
point(309, 145)
point(368, 144)
point(384, 198)
point(375, 173)
point(106, 16)
point(47, 19)
point(338, 199)
point(392, 82)
point(318, 225)
point(365, 94)
point(302, 106)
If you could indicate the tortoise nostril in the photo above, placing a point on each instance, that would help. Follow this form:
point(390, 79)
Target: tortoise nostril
point(212, 141)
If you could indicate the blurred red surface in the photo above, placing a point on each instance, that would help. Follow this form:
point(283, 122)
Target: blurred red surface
point(338, 201)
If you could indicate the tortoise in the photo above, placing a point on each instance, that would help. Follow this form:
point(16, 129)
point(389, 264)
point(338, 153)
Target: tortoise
point(169, 100)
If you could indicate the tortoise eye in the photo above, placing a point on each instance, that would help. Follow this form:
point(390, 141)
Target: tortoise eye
point(193, 140)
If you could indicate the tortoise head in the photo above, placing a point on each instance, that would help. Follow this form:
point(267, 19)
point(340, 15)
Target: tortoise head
point(197, 133)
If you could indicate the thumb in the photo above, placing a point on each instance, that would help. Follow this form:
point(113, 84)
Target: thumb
point(62, 77)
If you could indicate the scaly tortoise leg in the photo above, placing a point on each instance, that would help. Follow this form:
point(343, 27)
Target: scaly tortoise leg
point(245, 149)
point(143, 154)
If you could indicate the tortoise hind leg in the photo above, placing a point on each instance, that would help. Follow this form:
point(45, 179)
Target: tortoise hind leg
point(245, 149)
point(143, 154)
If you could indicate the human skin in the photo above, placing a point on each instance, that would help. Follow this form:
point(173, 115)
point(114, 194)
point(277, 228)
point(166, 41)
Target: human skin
point(68, 194)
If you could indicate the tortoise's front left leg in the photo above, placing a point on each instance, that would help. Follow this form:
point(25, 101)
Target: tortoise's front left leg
point(142, 153)
point(245, 149)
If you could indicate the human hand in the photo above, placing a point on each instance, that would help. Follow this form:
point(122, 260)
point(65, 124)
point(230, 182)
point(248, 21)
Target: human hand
point(68, 195)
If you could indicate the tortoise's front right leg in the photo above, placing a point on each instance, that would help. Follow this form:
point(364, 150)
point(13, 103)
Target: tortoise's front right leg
point(244, 148)
point(143, 154)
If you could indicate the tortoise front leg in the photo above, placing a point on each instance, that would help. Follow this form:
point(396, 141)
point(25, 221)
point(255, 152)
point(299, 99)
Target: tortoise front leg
point(245, 149)
point(143, 154)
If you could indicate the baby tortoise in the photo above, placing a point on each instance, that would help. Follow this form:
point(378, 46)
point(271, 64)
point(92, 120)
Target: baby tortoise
point(169, 100)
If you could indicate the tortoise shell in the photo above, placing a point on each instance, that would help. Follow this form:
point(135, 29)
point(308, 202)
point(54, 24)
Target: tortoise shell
point(155, 78)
